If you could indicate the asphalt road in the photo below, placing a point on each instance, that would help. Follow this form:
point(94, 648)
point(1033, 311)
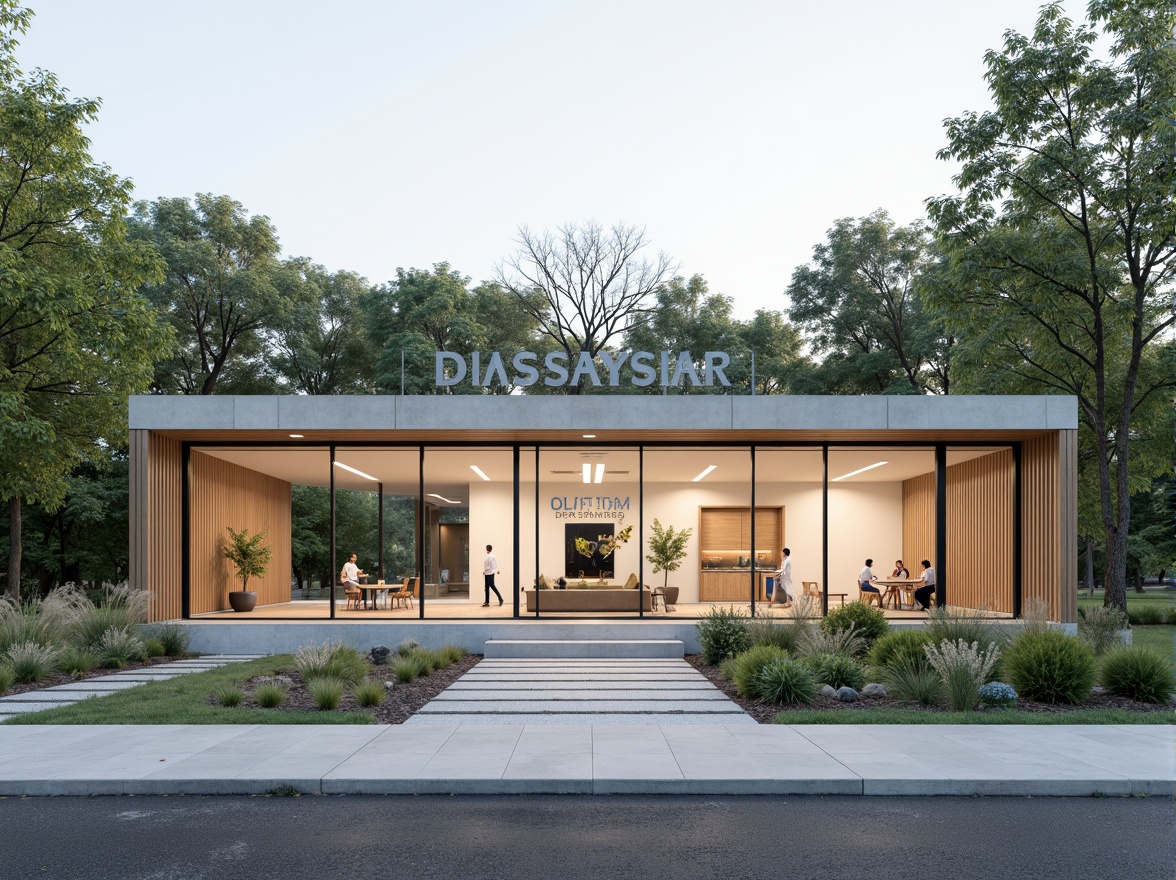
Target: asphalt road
point(586, 838)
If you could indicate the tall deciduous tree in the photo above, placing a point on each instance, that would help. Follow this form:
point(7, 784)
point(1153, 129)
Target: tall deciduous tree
point(582, 285)
point(220, 293)
point(1062, 234)
point(75, 338)
point(859, 305)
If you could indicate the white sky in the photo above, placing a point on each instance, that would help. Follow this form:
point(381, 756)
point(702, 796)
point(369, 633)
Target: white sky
point(386, 134)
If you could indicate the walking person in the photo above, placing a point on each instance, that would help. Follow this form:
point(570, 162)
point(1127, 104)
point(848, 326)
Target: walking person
point(783, 590)
point(490, 569)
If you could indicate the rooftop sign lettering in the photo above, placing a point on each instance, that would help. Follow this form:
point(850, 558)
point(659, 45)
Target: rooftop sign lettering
point(645, 368)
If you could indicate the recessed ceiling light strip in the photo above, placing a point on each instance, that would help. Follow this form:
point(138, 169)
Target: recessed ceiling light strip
point(868, 467)
point(477, 470)
point(704, 473)
point(354, 471)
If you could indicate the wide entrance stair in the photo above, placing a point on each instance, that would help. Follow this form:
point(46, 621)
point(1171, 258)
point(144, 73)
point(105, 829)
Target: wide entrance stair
point(550, 681)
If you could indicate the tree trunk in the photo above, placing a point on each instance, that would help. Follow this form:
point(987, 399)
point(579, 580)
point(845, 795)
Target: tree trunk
point(1090, 565)
point(1115, 569)
point(14, 547)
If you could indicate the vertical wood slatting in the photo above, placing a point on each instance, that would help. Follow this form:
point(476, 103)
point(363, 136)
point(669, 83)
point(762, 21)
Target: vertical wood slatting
point(156, 467)
point(918, 521)
point(1049, 526)
point(980, 532)
point(225, 494)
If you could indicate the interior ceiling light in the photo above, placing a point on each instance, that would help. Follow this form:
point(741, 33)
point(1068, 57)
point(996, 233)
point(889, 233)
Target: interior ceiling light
point(589, 436)
point(354, 471)
point(868, 467)
point(477, 470)
point(296, 436)
point(704, 473)
point(599, 473)
point(587, 472)
point(443, 498)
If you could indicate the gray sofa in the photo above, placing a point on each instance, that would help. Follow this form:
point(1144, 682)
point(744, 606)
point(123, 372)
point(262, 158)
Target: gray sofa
point(598, 599)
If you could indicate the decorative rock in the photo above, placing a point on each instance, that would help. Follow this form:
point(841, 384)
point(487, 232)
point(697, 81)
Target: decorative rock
point(827, 691)
point(380, 654)
point(1098, 690)
point(873, 690)
point(847, 694)
point(388, 685)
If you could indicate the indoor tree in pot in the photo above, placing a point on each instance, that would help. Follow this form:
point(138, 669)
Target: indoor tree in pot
point(667, 549)
point(251, 556)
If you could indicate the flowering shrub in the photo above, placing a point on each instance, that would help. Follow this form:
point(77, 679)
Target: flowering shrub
point(963, 668)
point(998, 695)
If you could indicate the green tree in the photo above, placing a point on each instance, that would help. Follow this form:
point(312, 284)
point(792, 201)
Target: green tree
point(322, 347)
point(75, 338)
point(1061, 238)
point(859, 306)
point(220, 292)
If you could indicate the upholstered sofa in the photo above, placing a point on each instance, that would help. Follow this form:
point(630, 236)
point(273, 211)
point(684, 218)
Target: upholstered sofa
point(597, 599)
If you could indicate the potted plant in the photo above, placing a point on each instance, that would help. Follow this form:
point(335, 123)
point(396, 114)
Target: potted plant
point(667, 549)
point(251, 556)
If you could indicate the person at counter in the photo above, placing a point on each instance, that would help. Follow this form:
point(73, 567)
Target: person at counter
point(924, 593)
point(900, 570)
point(783, 590)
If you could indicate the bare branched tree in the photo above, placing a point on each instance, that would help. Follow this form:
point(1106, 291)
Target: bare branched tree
point(583, 285)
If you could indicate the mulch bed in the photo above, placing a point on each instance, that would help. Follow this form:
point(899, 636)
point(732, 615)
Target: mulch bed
point(764, 712)
point(65, 678)
point(400, 701)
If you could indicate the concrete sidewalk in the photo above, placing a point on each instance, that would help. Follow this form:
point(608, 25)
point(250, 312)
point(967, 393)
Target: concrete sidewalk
point(588, 759)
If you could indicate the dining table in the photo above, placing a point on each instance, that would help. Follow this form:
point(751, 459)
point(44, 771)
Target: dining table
point(371, 592)
point(899, 591)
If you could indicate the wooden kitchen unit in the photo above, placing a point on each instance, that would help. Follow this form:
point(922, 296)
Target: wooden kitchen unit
point(726, 557)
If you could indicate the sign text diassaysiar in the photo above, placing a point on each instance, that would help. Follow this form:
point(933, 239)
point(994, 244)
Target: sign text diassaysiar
point(665, 368)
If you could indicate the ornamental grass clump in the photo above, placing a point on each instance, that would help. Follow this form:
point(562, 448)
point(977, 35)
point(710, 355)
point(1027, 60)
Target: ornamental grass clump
point(1138, 673)
point(7, 678)
point(47, 621)
point(1099, 627)
point(787, 681)
point(1050, 667)
point(836, 670)
point(118, 647)
point(270, 694)
point(750, 663)
point(842, 643)
point(866, 621)
point(407, 646)
point(327, 692)
point(77, 660)
point(900, 645)
point(1147, 615)
point(727, 669)
point(121, 608)
point(452, 654)
point(369, 693)
point(765, 629)
point(998, 695)
point(173, 637)
point(31, 662)
point(962, 668)
point(330, 660)
point(914, 681)
point(229, 696)
point(954, 624)
point(406, 669)
point(722, 632)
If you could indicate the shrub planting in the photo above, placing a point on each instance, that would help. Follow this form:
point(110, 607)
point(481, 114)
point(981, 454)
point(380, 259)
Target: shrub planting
point(952, 624)
point(331, 660)
point(407, 646)
point(77, 660)
point(787, 681)
point(1050, 667)
point(153, 648)
point(122, 608)
point(722, 632)
point(270, 694)
point(998, 695)
point(962, 668)
point(727, 669)
point(118, 647)
point(914, 680)
point(173, 637)
point(369, 693)
point(899, 645)
point(846, 643)
point(868, 622)
point(229, 696)
point(1146, 615)
point(836, 670)
point(452, 654)
point(406, 668)
point(7, 678)
point(765, 629)
point(31, 662)
point(750, 663)
point(1099, 627)
point(326, 692)
point(1138, 673)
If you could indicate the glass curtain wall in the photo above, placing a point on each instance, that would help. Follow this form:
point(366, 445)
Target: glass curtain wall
point(788, 488)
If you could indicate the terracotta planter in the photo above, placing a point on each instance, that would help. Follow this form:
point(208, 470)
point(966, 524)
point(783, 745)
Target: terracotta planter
point(243, 600)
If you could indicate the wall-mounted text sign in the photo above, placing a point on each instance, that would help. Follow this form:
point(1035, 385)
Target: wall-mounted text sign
point(666, 368)
point(611, 507)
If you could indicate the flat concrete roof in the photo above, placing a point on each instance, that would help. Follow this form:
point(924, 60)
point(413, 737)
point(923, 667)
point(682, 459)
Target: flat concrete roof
point(683, 414)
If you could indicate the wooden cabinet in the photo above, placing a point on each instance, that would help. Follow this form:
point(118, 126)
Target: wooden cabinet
point(726, 554)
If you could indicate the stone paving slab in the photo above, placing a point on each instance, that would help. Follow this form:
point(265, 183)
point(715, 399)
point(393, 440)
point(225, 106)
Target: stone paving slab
point(22, 708)
point(582, 706)
point(479, 686)
point(546, 695)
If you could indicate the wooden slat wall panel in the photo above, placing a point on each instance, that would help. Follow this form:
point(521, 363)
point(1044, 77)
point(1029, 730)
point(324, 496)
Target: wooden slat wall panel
point(918, 521)
point(156, 474)
point(1049, 524)
point(980, 532)
point(222, 495)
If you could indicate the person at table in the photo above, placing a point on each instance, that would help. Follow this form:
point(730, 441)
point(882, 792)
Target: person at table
point(899, 570)
point(924, 593)
point(351, 573)
point(865, 578)
point(782, 593)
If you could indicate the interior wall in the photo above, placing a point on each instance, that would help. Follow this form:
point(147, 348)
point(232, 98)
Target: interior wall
point(865, 522)
point(222, 495)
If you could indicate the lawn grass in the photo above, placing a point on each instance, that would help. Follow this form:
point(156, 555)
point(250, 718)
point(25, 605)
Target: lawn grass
point(1161, 637)
point(1008, 716)
point(1160, 598)
point(184, 700)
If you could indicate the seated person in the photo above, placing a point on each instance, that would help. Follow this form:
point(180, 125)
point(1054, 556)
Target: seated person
point(899, 570)
point(924, 593)
point(865, 576)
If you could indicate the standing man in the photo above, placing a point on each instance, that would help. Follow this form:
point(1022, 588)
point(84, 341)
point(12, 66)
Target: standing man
point(783, 590)
point(489, 569)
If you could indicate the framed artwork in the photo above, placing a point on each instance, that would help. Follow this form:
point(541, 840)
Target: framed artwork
point(578, 563)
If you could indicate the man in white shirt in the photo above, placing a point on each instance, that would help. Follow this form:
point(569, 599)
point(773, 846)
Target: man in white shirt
point(490, 569)
point(783, 593)
point(351, 572)
point(924, 593)
point(865, 576)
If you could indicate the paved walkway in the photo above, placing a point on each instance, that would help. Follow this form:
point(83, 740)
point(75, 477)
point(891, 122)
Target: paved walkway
point(99, 686)
point(579, 691)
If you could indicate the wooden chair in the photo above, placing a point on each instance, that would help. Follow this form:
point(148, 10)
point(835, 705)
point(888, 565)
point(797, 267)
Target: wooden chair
point(354, 596)
point(409, 591)
point(869, 596)
point(400, 593)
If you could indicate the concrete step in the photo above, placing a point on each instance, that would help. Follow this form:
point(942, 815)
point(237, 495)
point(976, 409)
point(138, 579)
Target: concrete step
point(595, 648)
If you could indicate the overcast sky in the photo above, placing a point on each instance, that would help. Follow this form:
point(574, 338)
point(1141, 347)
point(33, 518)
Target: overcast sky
point(379, 135)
